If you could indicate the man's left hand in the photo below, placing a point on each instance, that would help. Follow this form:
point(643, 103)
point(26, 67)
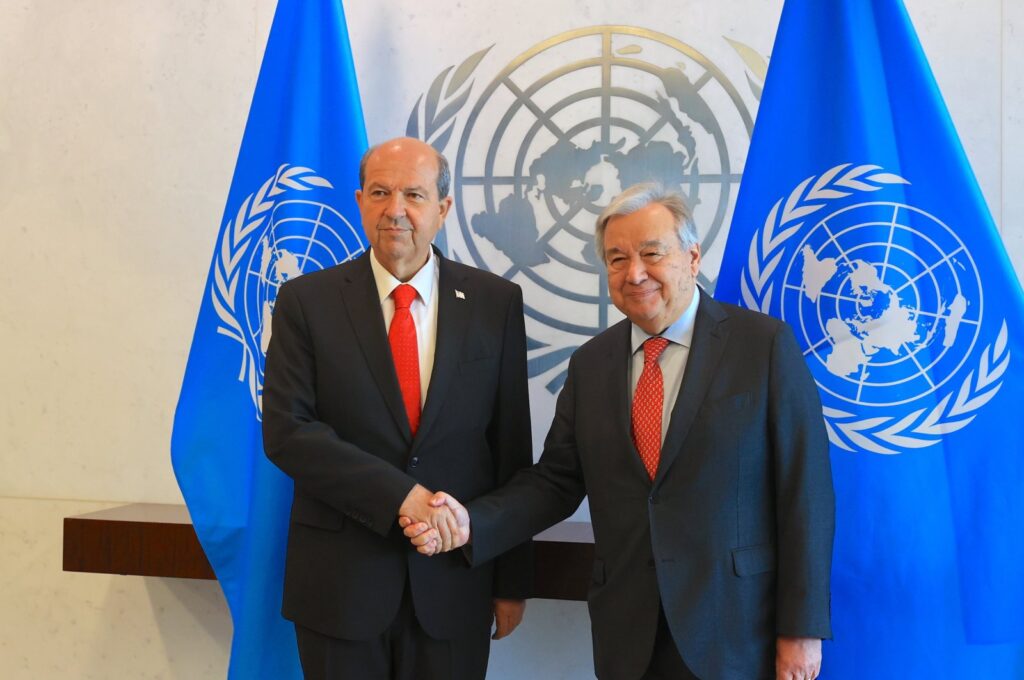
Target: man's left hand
point(429, 537)
point(507, 616)
point(797, 658)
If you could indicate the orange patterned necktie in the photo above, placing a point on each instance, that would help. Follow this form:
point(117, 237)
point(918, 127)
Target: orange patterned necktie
point(405, 353)
point(648, 402)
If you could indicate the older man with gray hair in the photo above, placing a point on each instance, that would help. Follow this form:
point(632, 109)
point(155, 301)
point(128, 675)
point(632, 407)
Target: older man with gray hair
point(695, 429)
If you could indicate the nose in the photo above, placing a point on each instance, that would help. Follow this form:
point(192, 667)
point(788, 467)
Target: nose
point(395, 208)
point(636, 272)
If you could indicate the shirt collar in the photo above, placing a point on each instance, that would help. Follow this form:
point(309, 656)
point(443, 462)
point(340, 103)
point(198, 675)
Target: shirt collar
point(680, 331)
point(423, 281)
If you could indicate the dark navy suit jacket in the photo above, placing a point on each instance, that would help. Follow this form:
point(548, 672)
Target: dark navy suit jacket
point(333, 420)
point(733, 537)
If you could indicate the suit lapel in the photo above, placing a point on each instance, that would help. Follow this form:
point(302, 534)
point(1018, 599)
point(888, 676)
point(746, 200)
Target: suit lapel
point(362, 302)
point(706, 348)
point(453, 313)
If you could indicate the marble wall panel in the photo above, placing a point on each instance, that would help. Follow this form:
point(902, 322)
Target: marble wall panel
point(119, 126)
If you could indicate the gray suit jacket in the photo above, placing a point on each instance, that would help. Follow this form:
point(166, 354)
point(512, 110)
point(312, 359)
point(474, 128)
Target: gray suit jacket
point(733, 537)
point(333, 420)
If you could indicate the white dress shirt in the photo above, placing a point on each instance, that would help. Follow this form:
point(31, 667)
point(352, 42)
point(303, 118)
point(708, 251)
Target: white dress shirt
point(423, 310)
point(672, 360)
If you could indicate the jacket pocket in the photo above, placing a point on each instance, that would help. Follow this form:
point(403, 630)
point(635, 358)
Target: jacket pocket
point(731, 403)
point(311, 513)
point(471, 365)
point(756, 559)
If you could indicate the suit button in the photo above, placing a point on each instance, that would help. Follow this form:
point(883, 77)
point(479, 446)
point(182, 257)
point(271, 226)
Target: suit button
point(414, 462)
point(653, 499)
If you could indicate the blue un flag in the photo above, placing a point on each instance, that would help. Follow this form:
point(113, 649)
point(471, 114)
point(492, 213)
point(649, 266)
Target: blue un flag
point(291, 210)
point(860, 223)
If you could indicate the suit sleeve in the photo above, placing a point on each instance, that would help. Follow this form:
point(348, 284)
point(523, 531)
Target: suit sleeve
point(804, 503)
point(537, 497)
point(325, 467)
point(510, 439)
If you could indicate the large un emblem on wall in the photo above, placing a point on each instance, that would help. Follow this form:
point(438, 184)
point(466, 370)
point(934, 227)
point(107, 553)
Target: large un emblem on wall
point(554, 136)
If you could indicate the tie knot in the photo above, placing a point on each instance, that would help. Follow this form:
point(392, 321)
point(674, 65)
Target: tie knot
point(404, 295)
point(653, 347)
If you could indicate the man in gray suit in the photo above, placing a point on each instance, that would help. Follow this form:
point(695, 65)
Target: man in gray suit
point(695, 429)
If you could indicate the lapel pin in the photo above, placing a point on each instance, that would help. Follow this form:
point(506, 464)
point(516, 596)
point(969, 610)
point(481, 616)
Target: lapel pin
point(459, 294)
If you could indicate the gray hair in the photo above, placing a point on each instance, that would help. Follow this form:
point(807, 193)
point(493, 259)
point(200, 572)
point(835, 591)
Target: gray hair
point(638, 197)
point(444, 173)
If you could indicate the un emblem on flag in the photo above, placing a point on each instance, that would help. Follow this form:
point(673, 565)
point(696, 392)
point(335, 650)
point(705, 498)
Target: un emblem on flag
point(278, 234)
point(888, 305)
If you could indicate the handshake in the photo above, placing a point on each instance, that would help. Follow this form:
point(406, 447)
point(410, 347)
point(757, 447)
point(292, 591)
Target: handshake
point(433, 522)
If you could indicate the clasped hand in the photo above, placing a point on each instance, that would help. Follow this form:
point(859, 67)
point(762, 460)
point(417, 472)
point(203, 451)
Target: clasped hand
point(433, 522)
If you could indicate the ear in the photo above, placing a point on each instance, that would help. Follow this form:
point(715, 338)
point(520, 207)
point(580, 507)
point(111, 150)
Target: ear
point(445, 205)
point(694, 259)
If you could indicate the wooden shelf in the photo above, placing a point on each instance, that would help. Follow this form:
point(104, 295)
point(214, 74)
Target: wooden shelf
point(142, 539)
point(150, 539)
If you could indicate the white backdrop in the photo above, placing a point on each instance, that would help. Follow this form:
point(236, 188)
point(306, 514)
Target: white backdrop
point(119, 126)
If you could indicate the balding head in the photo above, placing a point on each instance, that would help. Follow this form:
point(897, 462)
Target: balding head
point(444, 175)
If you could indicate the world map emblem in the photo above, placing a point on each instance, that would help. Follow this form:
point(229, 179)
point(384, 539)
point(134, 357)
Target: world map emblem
point(280, 232)
point(888, 304)
point(554, 136)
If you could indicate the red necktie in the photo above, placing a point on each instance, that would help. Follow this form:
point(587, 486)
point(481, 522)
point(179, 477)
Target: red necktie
point(405, 353)
point(648, 401)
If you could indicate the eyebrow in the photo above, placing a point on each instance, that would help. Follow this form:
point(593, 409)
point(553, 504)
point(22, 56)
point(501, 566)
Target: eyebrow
point(378, 184)
point(654, 243)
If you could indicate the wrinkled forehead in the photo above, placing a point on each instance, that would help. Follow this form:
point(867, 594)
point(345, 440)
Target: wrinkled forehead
point(655, 244)
point(638, 234)
point(419, 157)
point(402, 172)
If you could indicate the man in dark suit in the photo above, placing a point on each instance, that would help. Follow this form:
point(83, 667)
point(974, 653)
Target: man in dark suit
point(695, 429)
point(388, 376)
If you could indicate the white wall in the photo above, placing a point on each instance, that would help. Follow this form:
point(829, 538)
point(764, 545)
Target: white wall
point(119, 126)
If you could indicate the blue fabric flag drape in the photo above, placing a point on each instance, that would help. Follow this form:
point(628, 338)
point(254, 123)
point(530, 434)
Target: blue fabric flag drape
point(860, 223)
point(290, 210)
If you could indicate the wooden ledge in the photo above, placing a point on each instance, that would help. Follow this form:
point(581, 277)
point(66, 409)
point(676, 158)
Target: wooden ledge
point(152, 539)
point(142, 539)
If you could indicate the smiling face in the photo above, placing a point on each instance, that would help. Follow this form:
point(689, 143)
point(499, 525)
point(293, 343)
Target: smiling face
point(399, 204)
point(651, 278)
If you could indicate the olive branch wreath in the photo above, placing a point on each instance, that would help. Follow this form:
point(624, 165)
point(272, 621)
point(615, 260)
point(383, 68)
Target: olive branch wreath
point(881, 434)
point(235, 241)
point(439, 107)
